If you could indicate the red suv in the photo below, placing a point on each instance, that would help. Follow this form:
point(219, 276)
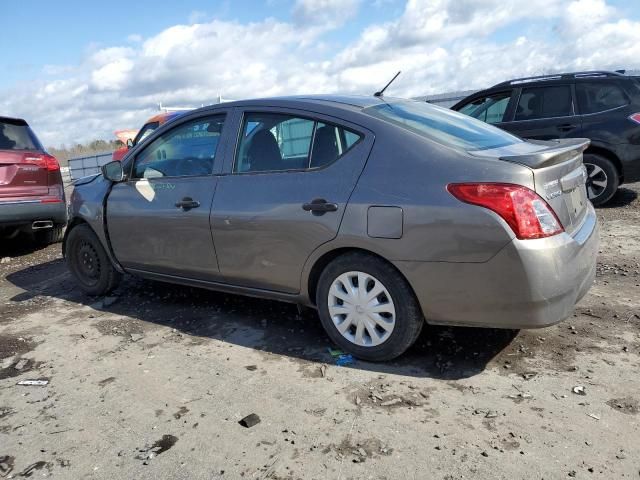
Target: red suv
point(31, 191)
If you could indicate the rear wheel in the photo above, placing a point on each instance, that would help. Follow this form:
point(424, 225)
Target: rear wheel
point(367, 307)
point(49, 235)
point(602, 178)
point(89, 262)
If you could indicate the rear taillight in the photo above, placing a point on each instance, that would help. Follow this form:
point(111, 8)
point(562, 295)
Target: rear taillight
point(635, 118)
point(43, 160)
point(528, 215)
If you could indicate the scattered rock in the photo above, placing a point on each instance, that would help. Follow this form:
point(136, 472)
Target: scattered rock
point(251, 368)
point(250, 420)
point(579, 390)
point(136, 336)
point(393, 401)
point(21, 364)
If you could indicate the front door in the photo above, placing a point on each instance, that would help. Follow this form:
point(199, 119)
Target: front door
point(545, 113)
point(158, 219)
point(284, 196)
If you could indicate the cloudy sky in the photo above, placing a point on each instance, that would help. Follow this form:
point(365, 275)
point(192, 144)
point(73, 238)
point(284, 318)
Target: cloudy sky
point(80, 70)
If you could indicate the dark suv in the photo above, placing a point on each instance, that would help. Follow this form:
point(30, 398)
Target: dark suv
point(31, 190)
point(601, 106)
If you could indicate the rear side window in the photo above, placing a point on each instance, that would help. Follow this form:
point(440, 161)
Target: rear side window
point(489, 109)
point(280, 142)
point(544, 102)
point(442, 125)
point(594, 97)
point(17, 136)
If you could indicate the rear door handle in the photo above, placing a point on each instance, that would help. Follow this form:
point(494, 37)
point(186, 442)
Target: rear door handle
point(567, 127)
point(319, 206)
point(187, 203)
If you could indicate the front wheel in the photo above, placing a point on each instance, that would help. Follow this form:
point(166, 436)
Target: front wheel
point(602, 178)
point(89, 263)
point(367, 308)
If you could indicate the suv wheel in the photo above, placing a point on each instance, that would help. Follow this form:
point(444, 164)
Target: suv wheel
point(602, 178)
point(367, 307)
point(89, 262)
point(50, 235)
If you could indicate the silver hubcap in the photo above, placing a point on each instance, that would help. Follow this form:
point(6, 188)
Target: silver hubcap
point(596, 180)
point(361, 309)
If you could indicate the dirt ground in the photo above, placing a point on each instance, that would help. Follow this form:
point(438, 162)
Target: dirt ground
point(152, 383)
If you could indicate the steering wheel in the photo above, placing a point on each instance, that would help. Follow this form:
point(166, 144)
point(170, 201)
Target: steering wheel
point(194, 166)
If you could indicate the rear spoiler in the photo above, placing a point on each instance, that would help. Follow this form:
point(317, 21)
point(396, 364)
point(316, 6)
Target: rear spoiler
point(557, 151)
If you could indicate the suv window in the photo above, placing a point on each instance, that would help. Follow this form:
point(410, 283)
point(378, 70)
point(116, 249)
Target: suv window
point(187, 150)
point(594, 97)
point(489, 109)
point(442, 125)
point(16, 135)
point(277, 142)
point(544, 102)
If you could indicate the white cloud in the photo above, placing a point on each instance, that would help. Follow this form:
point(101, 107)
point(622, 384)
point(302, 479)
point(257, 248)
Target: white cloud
point(329, 13)
point(440, 45)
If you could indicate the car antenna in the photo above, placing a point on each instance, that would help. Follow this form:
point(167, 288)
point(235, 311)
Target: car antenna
point(379, 94)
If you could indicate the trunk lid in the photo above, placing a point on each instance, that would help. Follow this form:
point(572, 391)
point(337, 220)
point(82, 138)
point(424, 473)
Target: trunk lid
point(22, 174)
point(559, 175)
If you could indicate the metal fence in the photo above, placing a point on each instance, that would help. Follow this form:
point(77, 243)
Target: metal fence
point(89, 165)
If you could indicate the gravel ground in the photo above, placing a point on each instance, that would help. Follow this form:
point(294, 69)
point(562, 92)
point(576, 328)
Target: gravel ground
point(153, 381)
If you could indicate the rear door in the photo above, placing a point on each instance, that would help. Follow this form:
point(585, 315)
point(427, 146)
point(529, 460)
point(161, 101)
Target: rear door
point(604, 107)
point(284, 195)
point(158, 220)
point(23, 169)
point(545, 113)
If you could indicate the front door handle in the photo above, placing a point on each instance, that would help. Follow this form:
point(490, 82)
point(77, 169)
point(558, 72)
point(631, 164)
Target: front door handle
point(567, 127)
point(187, 203)
point(319, 206)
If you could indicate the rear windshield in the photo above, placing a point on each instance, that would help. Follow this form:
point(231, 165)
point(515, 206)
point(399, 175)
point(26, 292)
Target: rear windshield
point(443, 126)
point(17, 136)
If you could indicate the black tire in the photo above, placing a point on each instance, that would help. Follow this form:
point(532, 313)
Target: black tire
point(50, 235)
point(601, 170)
point(89, 263)
point(408, 315)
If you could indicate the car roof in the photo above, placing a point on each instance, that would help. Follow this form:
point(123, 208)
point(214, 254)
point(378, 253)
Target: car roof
point(165, 116)
point(554, 77)
point(345, 102)
point(14, 121)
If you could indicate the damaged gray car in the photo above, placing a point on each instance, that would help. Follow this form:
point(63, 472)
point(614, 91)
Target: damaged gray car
point(378, 212)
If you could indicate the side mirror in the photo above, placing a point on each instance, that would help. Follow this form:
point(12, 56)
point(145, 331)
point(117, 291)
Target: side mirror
point(129, 143)
point(113, 171)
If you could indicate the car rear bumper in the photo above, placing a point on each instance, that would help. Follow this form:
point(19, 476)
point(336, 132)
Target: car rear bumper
point(24, 212)
point(528, 284)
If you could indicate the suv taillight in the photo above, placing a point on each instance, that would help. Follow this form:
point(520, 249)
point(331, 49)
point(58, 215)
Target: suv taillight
point(43, 160)
point(528, 215)
point(635, 117)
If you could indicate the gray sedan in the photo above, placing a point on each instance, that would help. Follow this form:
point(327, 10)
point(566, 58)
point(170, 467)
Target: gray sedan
point(378, 212)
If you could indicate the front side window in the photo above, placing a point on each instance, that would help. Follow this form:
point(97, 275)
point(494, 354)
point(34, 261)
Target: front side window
point(489, 109)
point(442, 125)
point(544, 102)
point(279, 142)
point(187, 150)
point(594, 97)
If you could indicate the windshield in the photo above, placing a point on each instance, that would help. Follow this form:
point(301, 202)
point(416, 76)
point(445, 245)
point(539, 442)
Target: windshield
point(444, 126)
